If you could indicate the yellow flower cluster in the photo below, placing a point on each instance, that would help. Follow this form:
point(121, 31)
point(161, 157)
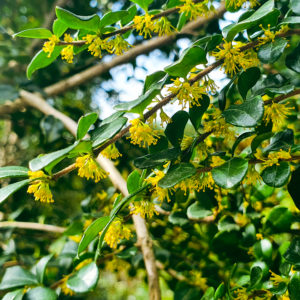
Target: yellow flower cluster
point(198, 280)
point(252, 176)
point(277, 113)
point(115, 233)
point(276, 279)
point(187, 94)
point(272, 158)
point(194, 10)
point(39, 187)
point(111, 152)
point(89, 168)
point(67, 53)
point(157, 191)
point(239, 3)
point(49, 46)
point(145, 26)
point(186, 142)
point(144, 209)
point(142, 134)
point(269, 36)
point(119, 45)
point(234, 59)
point(63, 285)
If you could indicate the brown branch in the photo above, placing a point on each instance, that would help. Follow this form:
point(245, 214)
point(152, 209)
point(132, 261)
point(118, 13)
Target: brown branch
point(282, 97)
point(32, 226)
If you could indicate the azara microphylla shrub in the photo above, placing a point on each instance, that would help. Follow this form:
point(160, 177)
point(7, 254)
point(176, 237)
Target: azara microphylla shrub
point(216, 180)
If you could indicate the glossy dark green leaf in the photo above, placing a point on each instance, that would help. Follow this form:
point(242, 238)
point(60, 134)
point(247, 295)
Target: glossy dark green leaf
point(59, 27)
point(293, 187)
point(112, 117)
point(280, 219)
point(178, 218)
point(133, 181)
point(280, 90)
point(39, 293)
point(14, 295)
point(112, 17)
point(291, 20)
point(84, 279)
point(294, 286)
point(41, 60)
point(175, 129)
point(240, 138)
point(230, 173)
point(295, 6)
point(276, 175)
point(152, 79)
point(176, 174)
point(196, 211)
point(247, 114)
point(42, 161)
point(84, 124)
point(34, 33)
point(143, 3)
point(91, 232)
point(129, 17)
point(227, 223)
point(196, 112)
point(259, 139)
point(107, 131)
point(191, 57)
point(40, 267)
point(162, 144)
point(222, 97)
point(209, 294)
point(155, 159)
point(8, 190)
point(263, 250)
point(292, 254)
point(13, 171)
point(281, 140)
point(220, 291)
point(292, 60)
point(247, 80)
point(256, 275)
point(17, 277)
point(230, 31)
point(271, 52)
point(73, 21)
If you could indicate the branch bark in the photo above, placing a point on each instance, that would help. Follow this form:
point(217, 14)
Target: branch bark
point(32, 226)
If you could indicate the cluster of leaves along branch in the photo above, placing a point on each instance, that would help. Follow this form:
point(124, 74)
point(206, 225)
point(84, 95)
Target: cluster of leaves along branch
point(212, 167)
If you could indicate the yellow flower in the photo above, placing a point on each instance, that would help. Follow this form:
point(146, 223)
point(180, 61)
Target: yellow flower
point(97, 45)
point(186, 142)
point(269, 36)
point(49, 46)
point(111, 152)
point(119, 45)
point(164, 117)
point(216, 161)
point(68, 38)
point(241, 294)
point(67, 53)
point(252, 176)
point(89, 168)
point(234, 59)
point(186, 93)
point(259, 236)
point(239, 3)
point(198, 280)
point(272, 158)
point(157, 191)
point(276, 279)
point(83, 264)
point(277, 113)
point(39, 187)
point(163, 27)
point(63, 285)
point(102, 195)
point(193, 10)
point(115, 233)
point(142, 134)
point(144, 25)
point(144, 209)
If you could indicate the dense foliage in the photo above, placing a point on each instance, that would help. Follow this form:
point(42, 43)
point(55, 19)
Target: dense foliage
point(216, 181)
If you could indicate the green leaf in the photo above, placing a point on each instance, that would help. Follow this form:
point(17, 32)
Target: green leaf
point(155, 159)
point(263, 250)
point(247, 80)
point(84, 124)
point(176, 174)
point(133, 181)
point(112, 17)
point(293, 188)
point(230, 173)
point(132, 10)
point(240, 138)
point(152, 79)
point(84, 279)
point(6, 191)
point(280, 90)
point(39, 293)
point(291, 20)
point(43, 161)
point(191, 57)
point(281, 140)
point(230, 31)
point(178, 218)
point(220, 291)
point(247, 114)
point(209, 294)
point(13, 171)
point(276, 175)
point(59, 27)
point(259, 139)
point(107, 131)
point(16, 277)
point(256, 275)
point(196, 211)
point(41, 60)
point(90, 23)
point(144, 4)
point(295, 6)
point(294, 286)
point(279, 219)
point(113, 117)
point(34, 33)
point(196, 112)
point(292, 60)
point(91, 232)
point(14, 295)
point(292, 254)
point(271, 52)
point(222, 98)
point(41, 267)
point(175, 129)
